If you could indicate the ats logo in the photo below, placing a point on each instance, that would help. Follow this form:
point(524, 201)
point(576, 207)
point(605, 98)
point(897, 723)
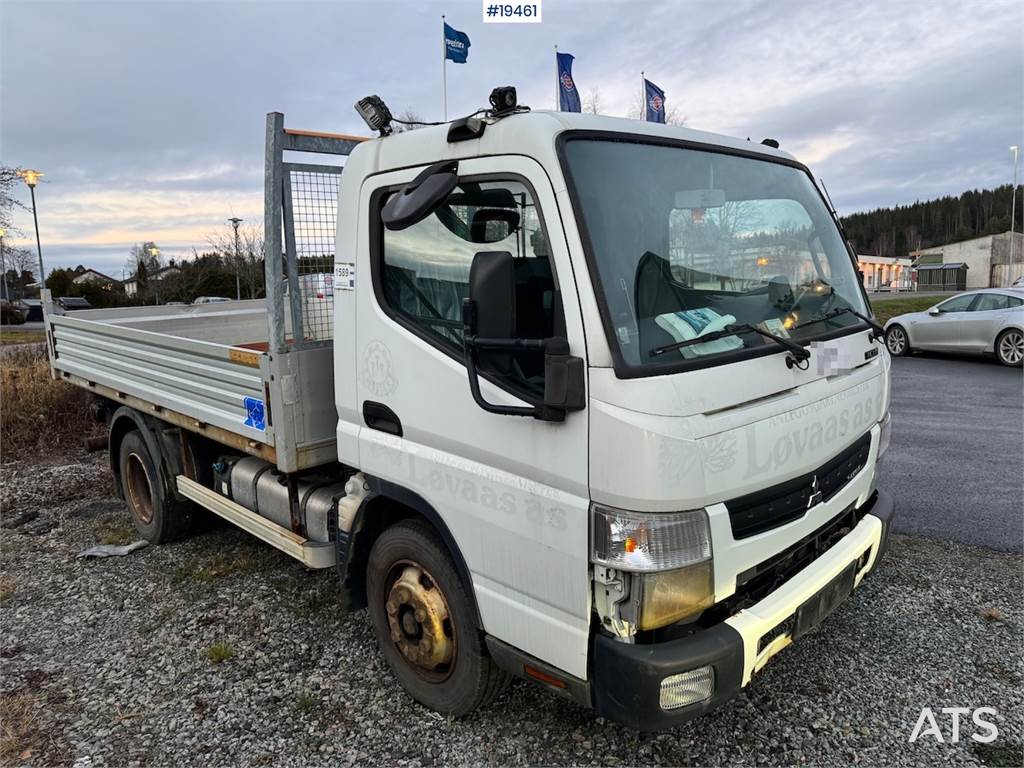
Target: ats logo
point(928, 725)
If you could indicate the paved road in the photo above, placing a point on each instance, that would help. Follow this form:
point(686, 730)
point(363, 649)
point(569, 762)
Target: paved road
point(955, 464)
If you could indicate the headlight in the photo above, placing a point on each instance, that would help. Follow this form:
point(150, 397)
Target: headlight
point(649, 541)
point(666, 598)
point(885, 436)
point(665, 557)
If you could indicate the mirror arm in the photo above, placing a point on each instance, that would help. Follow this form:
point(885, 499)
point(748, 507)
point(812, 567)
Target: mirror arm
point(471, 343)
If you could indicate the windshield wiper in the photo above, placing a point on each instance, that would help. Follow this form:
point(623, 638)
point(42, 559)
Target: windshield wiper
point(876, 329)
point(797, 351)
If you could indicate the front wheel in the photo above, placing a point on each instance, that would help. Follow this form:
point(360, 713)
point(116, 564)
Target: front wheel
point(896, 341)
point(425, 624)
point(1010, 348)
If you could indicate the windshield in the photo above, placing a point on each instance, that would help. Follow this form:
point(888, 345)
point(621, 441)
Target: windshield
point(686, 242)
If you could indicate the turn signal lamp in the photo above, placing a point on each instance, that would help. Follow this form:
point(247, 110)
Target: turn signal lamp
point(649, 541)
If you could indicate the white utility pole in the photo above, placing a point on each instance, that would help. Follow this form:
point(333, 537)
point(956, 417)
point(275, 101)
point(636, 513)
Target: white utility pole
point(1013, 213)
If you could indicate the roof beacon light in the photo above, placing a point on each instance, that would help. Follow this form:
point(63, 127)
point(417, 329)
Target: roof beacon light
point(375, 113)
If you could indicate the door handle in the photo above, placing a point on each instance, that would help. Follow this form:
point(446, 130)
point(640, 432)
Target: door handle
point(378, 416)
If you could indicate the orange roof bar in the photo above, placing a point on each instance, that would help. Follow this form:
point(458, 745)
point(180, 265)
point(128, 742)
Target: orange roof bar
point(320, 135)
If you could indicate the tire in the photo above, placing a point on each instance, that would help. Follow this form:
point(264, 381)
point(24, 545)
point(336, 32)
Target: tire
point(409, 569)
point(158, 519)
point(896, 341)
point(1010, 347)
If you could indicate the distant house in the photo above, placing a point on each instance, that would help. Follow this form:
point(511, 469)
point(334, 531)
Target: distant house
point(131, 285)
point(885, 273)
point(91, 276)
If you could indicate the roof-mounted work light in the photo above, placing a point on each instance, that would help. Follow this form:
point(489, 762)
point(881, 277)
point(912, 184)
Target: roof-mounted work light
point(375, 113)
point(503, 100)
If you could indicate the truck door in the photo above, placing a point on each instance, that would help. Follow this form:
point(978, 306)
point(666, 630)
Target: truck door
point(512, 490)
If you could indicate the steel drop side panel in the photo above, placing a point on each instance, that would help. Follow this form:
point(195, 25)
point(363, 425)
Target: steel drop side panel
point(209, 382)
point(269, 403)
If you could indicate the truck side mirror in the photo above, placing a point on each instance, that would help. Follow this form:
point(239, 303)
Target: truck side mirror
point(489, 322)
point(421, 196)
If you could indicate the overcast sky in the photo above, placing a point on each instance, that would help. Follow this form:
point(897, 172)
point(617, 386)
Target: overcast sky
point(148, 117)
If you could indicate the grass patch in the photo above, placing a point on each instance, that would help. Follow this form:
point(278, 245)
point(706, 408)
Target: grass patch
point(115, 531)
point(220, 652)
point(1000, 755)
point(990, 614)
point(305, 702)
point(20, 734)
point(21, 337)
point(885, 310)
point(220, 568)
point(37, 413)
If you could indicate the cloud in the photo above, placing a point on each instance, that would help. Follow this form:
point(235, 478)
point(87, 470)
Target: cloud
point(148, 118)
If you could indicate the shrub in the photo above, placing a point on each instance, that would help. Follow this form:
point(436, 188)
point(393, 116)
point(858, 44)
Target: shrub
point(10, 314)
point(37, 413)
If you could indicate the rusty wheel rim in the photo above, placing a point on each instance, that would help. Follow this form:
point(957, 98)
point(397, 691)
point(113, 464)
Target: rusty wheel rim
point(140, 490)
point(420, 621)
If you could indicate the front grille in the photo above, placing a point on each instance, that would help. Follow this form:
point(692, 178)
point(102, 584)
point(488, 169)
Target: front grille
point(755, 584)
point(783, 503)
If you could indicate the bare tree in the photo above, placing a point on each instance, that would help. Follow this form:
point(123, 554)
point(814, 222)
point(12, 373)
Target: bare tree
point(592, 102)
point(9, 180)
point(638, 111)
point(146, 255)
point(410, 122)
point(248, 262)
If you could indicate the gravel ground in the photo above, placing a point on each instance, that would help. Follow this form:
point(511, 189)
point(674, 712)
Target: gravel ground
point(220, 650)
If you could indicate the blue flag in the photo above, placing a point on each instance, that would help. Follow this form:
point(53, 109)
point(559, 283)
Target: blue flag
point(568, 96)
point(456, 44)
point(654, 100)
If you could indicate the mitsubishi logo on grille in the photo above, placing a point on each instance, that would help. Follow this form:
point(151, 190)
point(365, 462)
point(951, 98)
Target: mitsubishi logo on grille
point(815, 496)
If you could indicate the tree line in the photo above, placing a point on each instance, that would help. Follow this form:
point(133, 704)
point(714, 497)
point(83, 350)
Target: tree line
point(903, 229)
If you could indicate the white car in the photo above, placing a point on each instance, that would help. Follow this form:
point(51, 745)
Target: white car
point(986, 321)
point(210, 299)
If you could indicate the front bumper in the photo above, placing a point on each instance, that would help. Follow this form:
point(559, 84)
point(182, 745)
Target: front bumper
point(626, 680)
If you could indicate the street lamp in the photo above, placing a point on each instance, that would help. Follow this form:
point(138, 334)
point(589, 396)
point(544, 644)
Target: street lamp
point(235, 221)
point(1013, 210)
point(31, 178)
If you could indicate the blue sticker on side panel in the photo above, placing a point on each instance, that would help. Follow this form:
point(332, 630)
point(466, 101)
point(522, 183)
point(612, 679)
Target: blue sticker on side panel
point(255, 414)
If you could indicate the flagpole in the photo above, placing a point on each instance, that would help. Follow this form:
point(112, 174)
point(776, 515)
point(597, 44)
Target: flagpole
point(444, 69)
point(556, 80)
point(643, 96)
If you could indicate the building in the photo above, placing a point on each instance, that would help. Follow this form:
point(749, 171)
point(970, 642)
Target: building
point(987, 259)
point(91, 276)
point(131, 285)
point(886, 273)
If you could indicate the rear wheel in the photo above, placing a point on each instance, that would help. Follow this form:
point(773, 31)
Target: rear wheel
point(425, 623)
point(1010, 348)
point(157, 518)
point(896, 341)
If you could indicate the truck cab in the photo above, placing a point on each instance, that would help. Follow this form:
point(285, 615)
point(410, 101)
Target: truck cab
point(644, 519)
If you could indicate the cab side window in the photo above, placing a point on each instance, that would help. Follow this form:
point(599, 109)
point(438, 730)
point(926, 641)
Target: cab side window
point(424, 270)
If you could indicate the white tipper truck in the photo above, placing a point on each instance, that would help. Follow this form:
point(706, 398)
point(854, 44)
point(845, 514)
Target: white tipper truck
point(599, 403)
